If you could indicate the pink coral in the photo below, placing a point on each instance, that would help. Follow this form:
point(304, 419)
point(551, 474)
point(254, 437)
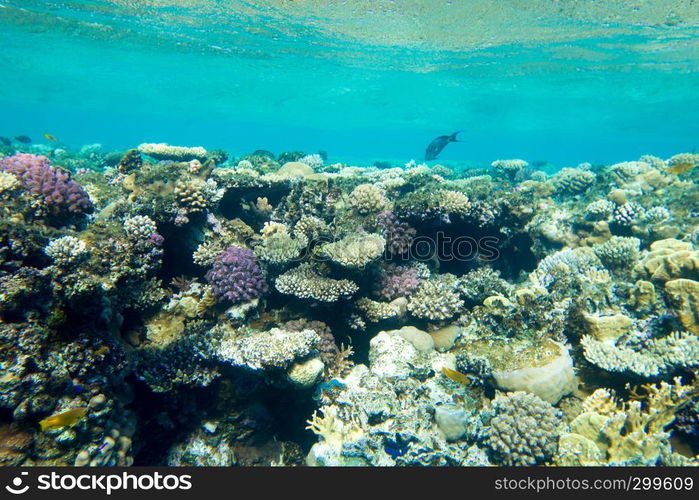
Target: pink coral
point(396, 281)
point(60, 194)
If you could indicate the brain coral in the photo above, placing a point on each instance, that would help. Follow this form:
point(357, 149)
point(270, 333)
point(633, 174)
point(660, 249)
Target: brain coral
point(236, 276)
point(59, 194)
point(524, 430)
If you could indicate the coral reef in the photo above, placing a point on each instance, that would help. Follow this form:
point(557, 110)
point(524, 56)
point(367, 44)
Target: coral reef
point(173, 305)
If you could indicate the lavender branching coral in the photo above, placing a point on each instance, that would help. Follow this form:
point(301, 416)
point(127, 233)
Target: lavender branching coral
point(399, 235)
point(59, 194)
point(236, 276)
point(396, 281)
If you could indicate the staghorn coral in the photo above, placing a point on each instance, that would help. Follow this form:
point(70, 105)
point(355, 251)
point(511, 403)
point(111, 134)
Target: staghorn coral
point(509, 168)
point(613, 432)
point(599, 210)
point(479, 284)
point(628, 214)
point(280, 246)
point(683, 162)
point(565, 262)
point(130, 162)
point(453, 202)
point(275, 348)
point(378, 311)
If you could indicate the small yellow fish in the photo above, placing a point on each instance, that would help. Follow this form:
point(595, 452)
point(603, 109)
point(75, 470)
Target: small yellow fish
point(456, 376)
point(681, 167)
point(66, 418)
point(102, 350)
point(50, 137)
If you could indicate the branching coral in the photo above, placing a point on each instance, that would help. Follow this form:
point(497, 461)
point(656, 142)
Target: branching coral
point(236, 277)
point(523, 431)
point(612, 432)
point(305, 283)
point(435, 300)
point(53, 187)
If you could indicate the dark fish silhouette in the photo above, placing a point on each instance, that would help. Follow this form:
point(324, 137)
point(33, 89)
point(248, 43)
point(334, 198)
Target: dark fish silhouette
point(23, 139)
point(539, 163)
point(323, 155)
point(437, 145)
point(5, 141)
point(263, 152)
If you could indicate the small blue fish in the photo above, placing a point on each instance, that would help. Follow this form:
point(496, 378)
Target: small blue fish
point(438, 144)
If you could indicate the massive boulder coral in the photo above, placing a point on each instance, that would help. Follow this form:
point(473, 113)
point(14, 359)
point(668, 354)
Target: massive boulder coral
point(573, 180)
point(684, 297)
point(669, 259)
point(543, 368)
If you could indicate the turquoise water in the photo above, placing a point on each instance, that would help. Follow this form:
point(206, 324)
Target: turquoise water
point(562, 81)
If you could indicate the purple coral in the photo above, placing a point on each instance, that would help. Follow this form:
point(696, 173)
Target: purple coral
point(235, 276)
point(399, 235)
point(60, 194)
point(396, 281)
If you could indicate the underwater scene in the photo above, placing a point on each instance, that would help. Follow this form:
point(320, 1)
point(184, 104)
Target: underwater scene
point(349, 233)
